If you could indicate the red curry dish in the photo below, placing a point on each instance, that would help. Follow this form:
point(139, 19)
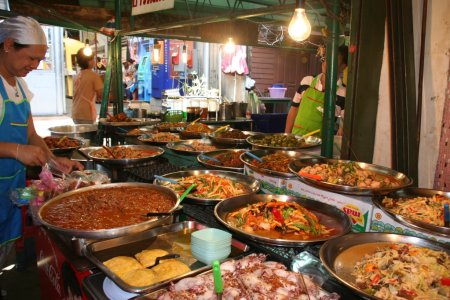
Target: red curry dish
point(106, 208)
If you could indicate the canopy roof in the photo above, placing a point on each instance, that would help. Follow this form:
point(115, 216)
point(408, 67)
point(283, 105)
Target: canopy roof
point(249, 22)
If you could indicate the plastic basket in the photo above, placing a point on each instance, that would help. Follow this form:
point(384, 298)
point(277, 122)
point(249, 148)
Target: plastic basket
point(276, 92)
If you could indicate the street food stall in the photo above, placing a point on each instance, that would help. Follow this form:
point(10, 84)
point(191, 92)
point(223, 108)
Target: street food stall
point(276, 175)
point(289, 220)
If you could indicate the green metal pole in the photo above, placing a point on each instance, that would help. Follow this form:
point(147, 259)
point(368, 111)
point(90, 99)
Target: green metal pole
point(330, 82)
point(118, 49)
point(106, 86)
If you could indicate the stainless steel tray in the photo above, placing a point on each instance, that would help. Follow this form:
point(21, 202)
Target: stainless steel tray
point(124, 162)
point(248, 161)
point(329, 216)
point(204, 161)
point(111, 232)
point(341, 254)
point(310, 141)
point(415, 224)
point(297, 164)
point(133, 122)
point(174, 238)
point(146, 139)
point(230, 141)
point(174, 146)
point(184, 134)
point(67, 150)
point(252, 184)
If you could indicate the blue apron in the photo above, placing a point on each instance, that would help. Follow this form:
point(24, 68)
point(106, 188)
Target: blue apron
point(13, 129)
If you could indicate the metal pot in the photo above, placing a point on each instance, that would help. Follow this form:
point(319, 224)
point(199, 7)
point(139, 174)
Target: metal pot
point(139, 113)
point(84, 131)
point(226, 111)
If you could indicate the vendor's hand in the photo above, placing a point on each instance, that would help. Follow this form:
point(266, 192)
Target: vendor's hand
point(66, 165)
point(31, 155)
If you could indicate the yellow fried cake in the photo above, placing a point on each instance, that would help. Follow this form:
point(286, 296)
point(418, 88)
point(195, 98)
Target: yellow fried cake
point(140, 277)
point(148, 257)
point(120, 265)
point(169, 269)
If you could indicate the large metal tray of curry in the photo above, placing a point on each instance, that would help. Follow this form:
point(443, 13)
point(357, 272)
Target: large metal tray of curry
point(282, 220)
point(124, 155)
point(274, 162)
point(108, 210)
point(348, 177)
point(173, 239)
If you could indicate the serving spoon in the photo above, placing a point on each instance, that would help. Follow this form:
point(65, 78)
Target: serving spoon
point(109, 151)
point(158, 259)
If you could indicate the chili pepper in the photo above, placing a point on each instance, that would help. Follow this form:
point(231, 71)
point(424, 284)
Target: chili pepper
point(375, 279)
point(313, 176)
point(445, 281)
point(277, 215)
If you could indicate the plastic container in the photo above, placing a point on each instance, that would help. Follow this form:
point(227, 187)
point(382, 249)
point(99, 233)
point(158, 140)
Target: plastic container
point(277, 92)
point(269, 123)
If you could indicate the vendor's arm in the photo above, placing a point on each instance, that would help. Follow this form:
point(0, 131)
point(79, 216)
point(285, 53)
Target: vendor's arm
point(291, 119)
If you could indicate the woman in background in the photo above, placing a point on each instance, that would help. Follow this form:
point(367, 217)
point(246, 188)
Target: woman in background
point(87, 87)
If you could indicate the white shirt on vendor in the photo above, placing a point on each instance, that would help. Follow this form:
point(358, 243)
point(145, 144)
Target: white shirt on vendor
point(16, 95)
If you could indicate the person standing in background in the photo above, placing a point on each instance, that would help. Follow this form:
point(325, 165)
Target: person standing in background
point(22, 47)
point(306, 112)
point(87, 87)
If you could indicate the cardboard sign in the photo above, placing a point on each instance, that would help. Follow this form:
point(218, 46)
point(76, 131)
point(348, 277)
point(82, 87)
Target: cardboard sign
point(139, 7)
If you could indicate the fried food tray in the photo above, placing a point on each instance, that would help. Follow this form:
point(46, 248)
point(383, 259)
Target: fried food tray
point(174, 238)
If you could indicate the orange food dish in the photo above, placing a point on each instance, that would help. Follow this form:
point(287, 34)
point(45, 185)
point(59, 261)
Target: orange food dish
point(106, 208)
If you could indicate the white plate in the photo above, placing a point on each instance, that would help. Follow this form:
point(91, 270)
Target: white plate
point(113, 292)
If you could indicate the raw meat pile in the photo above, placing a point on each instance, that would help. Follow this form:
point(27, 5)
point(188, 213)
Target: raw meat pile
point(249, 278)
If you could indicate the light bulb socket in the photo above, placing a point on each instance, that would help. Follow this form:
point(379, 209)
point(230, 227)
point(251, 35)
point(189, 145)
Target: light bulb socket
point(300, 4)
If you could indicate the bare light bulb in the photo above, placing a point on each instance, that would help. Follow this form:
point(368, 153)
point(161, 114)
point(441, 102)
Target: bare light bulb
point(299, 28)
point(230, 46)
point(184, 55)
point(87, 50)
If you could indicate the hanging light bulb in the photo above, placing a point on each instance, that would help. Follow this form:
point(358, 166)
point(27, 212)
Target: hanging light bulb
point(184, 57)
point(87, 50)
point(230, 46)
point(299, 28)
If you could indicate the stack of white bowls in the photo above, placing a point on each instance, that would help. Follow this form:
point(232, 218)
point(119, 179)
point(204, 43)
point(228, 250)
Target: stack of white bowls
point(210, 244)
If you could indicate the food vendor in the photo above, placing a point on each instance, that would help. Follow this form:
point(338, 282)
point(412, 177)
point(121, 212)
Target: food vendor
point(22, 46)
point(306, 112)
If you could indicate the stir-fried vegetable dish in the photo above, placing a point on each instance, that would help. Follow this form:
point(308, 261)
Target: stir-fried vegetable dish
point(160, 137)
point(210, 187)
point(348, 173)
point(195, 146)
point(232, 134)
point(425, 209)
point(276, 162)
point(278, 219)
point(61, 142)
point(122, 153)
point(228, 159)
point(404, 271)
point(280, 140)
